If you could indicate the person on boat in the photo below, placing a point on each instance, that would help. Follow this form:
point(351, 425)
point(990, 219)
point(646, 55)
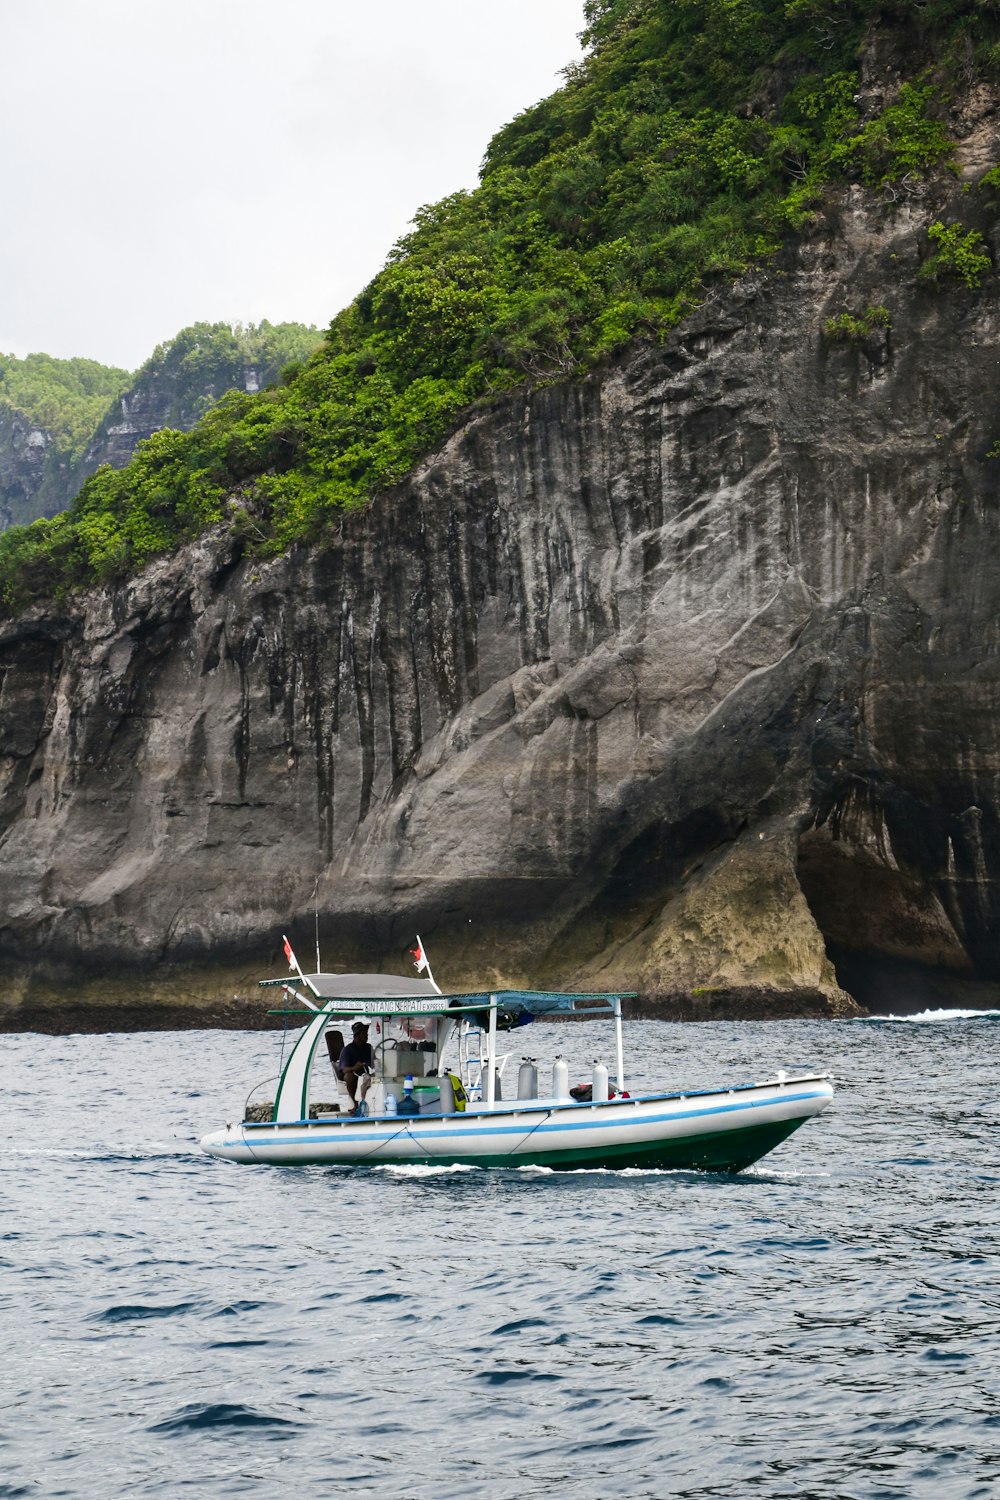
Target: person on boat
point(357, 1064)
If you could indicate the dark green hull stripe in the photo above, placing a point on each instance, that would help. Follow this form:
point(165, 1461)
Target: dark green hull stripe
point(722, 1151)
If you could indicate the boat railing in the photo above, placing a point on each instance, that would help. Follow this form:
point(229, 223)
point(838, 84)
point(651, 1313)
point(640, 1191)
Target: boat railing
point(263, 1083)
point(473, 1082)
point(472, 1060)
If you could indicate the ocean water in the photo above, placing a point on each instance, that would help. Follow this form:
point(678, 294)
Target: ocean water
point(823, 1326)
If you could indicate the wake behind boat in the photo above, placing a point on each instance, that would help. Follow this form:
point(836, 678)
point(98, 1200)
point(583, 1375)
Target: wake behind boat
point(436, 1086)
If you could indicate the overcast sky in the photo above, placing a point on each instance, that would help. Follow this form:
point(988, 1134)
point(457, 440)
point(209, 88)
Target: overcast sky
point(173, 160)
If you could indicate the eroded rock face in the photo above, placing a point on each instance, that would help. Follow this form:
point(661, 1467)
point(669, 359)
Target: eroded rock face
point(157, 398)
point(29, 466)
point(669, 678)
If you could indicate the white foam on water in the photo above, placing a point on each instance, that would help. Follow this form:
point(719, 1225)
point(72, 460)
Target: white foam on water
point(924, 1017)
point(424, 1169)
point(761, 1170)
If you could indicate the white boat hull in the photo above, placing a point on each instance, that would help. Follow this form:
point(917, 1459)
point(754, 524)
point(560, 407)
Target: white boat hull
point(721, 1131)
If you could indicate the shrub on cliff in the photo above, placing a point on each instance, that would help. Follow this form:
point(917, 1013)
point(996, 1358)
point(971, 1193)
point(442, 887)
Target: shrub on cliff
point(684, 147)
point(960, 255)
point(849, 328)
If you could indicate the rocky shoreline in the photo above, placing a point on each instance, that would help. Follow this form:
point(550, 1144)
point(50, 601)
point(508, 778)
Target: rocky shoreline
point(241, 1013)
point(46, 1014)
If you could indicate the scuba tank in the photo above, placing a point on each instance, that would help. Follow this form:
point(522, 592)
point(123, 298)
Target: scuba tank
point(560, 1079)
point(447, 1094)
point(527, 1079)
point(600, 1083)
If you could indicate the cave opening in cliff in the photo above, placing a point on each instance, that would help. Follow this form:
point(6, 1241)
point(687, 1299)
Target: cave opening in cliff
point(886, 933)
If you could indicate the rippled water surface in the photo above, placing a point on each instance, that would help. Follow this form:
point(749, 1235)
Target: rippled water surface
point(823, 1326)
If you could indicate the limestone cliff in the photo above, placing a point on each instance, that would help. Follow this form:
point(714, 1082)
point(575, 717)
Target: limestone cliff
point(684, 677)
point(186, 376)
point(25, 465)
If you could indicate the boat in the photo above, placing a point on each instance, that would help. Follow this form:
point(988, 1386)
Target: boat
point(438, 1057)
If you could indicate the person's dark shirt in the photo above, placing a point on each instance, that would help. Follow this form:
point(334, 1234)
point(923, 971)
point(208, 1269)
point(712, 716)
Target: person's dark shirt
point(356, 1054)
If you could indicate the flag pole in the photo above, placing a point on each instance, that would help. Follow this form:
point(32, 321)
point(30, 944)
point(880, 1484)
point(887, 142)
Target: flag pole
point(290, 955)
point(425, 963)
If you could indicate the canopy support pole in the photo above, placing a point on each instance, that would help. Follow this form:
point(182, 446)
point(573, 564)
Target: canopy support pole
point(619, 1045)
point(491, 1056)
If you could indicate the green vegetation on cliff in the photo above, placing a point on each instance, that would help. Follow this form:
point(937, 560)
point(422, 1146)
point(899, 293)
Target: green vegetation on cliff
point(90, 414)
point(66, 397)
point(960, 254)
point(207, 359)
point(692, 138)
point(848, 329)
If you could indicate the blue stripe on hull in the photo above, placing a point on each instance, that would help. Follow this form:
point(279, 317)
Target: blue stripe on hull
point(627, 1120)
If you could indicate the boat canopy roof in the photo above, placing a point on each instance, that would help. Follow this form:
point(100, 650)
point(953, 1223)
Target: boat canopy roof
point(389, 994)
point(359, 986)
point(539, 1002)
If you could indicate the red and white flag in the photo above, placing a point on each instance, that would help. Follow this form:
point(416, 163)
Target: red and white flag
point(293, 962)
point(419, 958)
